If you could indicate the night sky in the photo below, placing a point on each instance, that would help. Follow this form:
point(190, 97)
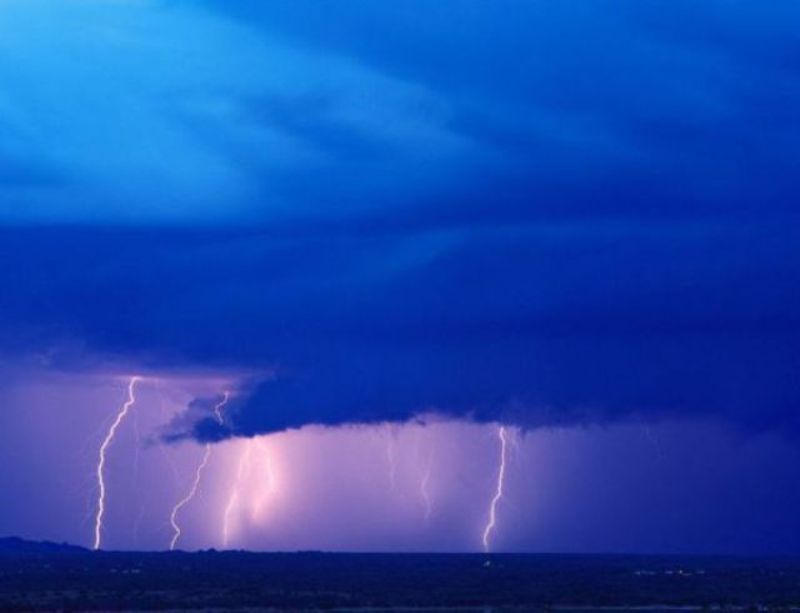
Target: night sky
point(401, 275)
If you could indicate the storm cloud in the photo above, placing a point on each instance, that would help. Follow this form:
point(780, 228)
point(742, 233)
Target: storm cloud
point(538, 214)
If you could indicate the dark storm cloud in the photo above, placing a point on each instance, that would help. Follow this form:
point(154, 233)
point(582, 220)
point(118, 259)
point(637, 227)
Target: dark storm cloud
point(583, 111)
point(537, 325)
point(540, 213)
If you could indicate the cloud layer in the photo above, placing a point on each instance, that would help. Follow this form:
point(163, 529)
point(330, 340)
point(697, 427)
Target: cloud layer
point(541, 214)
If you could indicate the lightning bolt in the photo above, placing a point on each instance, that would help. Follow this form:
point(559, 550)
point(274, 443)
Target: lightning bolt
point(269, 473)
point(390, 459)
point(101, 464)
point(218, 408)
point(233, 501)
point(173, 519)
point(425, 479)
point(198, 475)
point(498, 494)
point(425, 493)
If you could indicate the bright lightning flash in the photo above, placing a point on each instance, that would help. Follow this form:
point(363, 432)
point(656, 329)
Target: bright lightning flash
point(255, 483)
point(498, 494)
point(101, 464)
point(173, 518)
point(233, 501)
point(269, 473)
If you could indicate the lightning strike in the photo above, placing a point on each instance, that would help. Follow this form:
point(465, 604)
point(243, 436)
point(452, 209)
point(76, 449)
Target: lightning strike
point(101, 464)
point(218, 408)
point(390, 458)
point(425, 493)
point(233, 501)
point(173, 518)
point(269, 473)
point(198, 475)
point(498, 494)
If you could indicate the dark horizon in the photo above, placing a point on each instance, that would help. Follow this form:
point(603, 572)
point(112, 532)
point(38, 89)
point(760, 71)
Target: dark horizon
point(232, 580)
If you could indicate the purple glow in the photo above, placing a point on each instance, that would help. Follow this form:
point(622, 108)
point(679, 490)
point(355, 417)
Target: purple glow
point(336, 488)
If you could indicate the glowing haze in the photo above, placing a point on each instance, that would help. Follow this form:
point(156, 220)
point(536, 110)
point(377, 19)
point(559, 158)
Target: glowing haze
point(332, 488)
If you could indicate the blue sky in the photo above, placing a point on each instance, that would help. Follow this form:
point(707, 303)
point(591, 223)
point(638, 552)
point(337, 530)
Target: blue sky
point(192, 112)
point(540, 213)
